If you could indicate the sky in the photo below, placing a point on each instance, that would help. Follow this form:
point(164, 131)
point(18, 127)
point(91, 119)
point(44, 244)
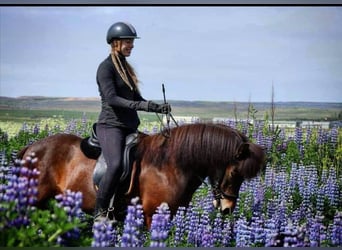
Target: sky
point(225, 53)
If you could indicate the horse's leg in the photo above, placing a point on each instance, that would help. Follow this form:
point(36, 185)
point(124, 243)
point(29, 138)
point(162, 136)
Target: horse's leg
point(158, 185)
point(79, 178)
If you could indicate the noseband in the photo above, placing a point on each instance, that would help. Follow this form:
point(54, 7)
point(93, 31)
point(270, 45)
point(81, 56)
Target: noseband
point(219, 194)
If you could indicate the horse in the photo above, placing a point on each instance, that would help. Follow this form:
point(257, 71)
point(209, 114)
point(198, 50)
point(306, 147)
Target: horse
point(166, 169)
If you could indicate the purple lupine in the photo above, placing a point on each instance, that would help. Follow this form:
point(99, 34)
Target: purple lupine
point(290, 235)
point(316, 232)
point(308, 136)
point(160, 226)
point(333, 137)
point(20, 192)
point(71, 202)
point(217, 230)
point(281, 217)
point(269, 176)
point(193, 218)
point(271, 232)
point(179, 223)
point(336, 230)
point(36, 129)
point(312, 182)
point(331, 188)
point(134, 221)
point(227, 232)
point(299, 139)
point(204, 230)
point(104, 235)
point(243, 233)
point(207, 239)
point(258, 235)
point(322, 136)
point(71, 127)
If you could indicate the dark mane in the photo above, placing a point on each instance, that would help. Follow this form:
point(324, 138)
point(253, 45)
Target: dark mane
point(193, 146)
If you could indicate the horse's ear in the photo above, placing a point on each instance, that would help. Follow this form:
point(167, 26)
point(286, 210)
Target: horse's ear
point(242, 152)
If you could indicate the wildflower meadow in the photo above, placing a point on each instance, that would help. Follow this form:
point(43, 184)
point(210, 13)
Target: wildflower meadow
point(294, 202)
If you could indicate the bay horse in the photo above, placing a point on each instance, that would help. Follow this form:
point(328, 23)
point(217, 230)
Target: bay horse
point(165, 169)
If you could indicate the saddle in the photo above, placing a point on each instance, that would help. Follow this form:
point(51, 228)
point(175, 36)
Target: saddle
point(90, 146)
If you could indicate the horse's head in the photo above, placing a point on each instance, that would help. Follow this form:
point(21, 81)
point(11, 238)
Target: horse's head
point(249, 160)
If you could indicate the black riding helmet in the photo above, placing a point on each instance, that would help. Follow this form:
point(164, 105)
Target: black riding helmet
point(121, 30)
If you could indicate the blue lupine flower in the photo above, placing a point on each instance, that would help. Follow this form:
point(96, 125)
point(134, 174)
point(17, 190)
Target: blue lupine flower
point(227, 232)
point(179, 223)
point(243, 233)
point(290, 235)
point(104, 235)
point(271, 232)
point(193, 218)
point(160, 226)
point(20, 191)
point(134, 221)
point(334, 137)
point(336, 231)
point(217, 230)
point(71, 202)
point(258, 235)
point(316, 232)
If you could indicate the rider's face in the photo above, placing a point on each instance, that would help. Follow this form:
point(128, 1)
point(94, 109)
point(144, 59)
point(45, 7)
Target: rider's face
point(125, 46)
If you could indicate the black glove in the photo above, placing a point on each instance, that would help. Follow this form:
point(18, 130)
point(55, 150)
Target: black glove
point(159, 108)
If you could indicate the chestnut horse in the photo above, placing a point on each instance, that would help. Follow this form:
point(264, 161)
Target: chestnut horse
point(166, 169)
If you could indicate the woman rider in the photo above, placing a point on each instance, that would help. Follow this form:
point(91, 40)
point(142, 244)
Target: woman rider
point(120, 101)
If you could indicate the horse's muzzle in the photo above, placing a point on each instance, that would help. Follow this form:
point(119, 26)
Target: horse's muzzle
point(226, 206)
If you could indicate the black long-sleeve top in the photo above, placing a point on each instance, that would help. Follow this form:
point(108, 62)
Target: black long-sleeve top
point(119, 103)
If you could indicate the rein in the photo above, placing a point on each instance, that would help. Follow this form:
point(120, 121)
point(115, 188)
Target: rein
point(166, 129)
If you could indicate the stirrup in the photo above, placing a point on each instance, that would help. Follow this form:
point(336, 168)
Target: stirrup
point(103, 216)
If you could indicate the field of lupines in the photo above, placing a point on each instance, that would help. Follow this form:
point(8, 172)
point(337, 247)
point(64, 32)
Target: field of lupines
point(295, 201)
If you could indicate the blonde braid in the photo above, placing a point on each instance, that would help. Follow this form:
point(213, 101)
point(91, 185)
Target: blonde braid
point(120, 68)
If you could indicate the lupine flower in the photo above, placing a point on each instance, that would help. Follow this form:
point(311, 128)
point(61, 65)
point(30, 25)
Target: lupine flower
point(258, 235)
point(160, 226)
point(204, 230)
point(290, 235)
point(104, 234)
point(36, 129)
point(134, 221)
point(336, 231)
point(271, 232)
point(243, 233)
point(179, 223)
point(316, 232)
point(227, 232)
point(299, 139)
point(71, 202)
point(193, 218)
point(20, 193)
point(334, 137)
point(217, 230)
point(331, 188)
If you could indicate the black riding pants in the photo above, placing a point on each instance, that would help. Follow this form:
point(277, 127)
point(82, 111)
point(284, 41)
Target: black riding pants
point(112, 142)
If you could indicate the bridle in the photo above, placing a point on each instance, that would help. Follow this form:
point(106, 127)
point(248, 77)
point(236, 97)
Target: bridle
point(219, 193)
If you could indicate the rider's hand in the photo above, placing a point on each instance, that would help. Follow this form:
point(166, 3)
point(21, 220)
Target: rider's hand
point(159, 108)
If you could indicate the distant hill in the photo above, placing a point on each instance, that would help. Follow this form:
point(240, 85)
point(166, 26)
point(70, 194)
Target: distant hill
point(203, 109)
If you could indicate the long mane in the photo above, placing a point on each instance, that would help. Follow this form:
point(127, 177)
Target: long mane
point(194, 145)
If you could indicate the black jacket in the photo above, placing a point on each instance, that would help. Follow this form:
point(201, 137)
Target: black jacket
point(119, 103)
